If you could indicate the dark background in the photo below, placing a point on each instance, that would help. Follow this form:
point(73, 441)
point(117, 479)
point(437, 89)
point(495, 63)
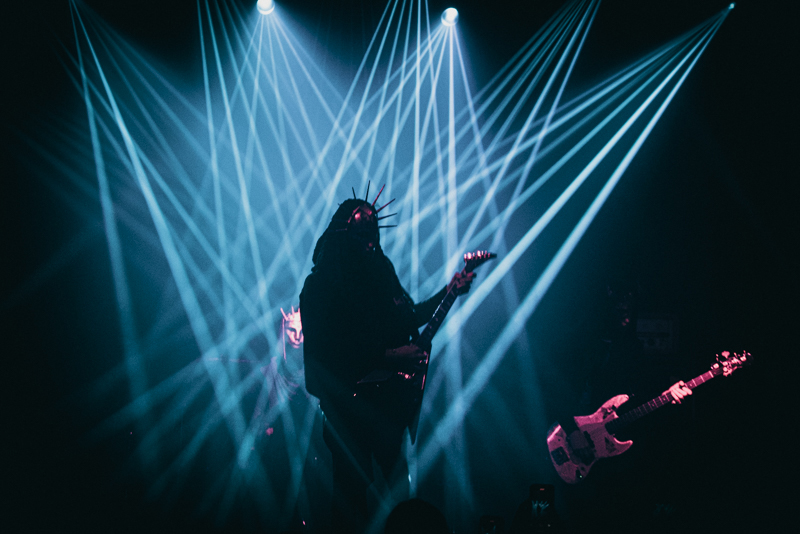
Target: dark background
point(710, 230)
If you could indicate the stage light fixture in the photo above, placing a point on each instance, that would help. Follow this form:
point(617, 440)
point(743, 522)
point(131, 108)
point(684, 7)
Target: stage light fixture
point(450, 16)
point(733, 4)
point(265, 7)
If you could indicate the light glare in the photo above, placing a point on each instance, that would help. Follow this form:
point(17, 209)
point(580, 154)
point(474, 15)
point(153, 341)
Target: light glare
point(450, 16)
point(265, 7)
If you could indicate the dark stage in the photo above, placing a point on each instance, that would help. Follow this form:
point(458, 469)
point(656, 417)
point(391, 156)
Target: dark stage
point(144, 269)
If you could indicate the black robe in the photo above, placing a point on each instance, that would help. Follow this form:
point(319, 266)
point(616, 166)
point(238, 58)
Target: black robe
point(353, 312)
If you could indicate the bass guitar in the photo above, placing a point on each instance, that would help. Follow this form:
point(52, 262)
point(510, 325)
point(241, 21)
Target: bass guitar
point(408, 385)
point(572, 464)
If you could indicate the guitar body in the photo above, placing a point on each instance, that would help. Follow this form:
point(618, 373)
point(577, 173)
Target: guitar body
point(403, 390)
point(594, 438)
point(572, 464)
point(407, 386)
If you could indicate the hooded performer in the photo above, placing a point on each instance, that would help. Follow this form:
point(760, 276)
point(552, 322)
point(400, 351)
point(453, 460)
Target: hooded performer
point(357, 318)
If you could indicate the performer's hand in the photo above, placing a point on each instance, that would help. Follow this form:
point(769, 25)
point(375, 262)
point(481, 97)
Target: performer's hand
point(678, 392)
point(461, 282)
point(406, 355)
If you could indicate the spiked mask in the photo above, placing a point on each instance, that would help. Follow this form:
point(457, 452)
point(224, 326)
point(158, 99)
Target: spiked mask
point(362, 222)
point(362, 226)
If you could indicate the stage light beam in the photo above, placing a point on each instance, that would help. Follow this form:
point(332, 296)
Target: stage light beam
point(450, 16)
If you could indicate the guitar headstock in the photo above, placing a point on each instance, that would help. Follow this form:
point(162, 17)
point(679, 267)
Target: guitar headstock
point(472, 260)
point(728, 362)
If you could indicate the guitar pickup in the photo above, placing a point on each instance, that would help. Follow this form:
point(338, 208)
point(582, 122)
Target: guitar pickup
point(560, 456)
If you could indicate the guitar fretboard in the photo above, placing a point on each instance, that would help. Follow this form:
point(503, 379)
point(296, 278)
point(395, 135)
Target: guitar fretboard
point(656, 403)
point(472, 261)
point(426, 337)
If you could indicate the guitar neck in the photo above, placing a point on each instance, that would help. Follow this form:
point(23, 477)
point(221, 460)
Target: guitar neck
point(426, 337)
point(654, 404)
point(472, 260)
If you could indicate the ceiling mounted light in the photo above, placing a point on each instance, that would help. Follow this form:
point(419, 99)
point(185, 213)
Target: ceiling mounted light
point(450, 16)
